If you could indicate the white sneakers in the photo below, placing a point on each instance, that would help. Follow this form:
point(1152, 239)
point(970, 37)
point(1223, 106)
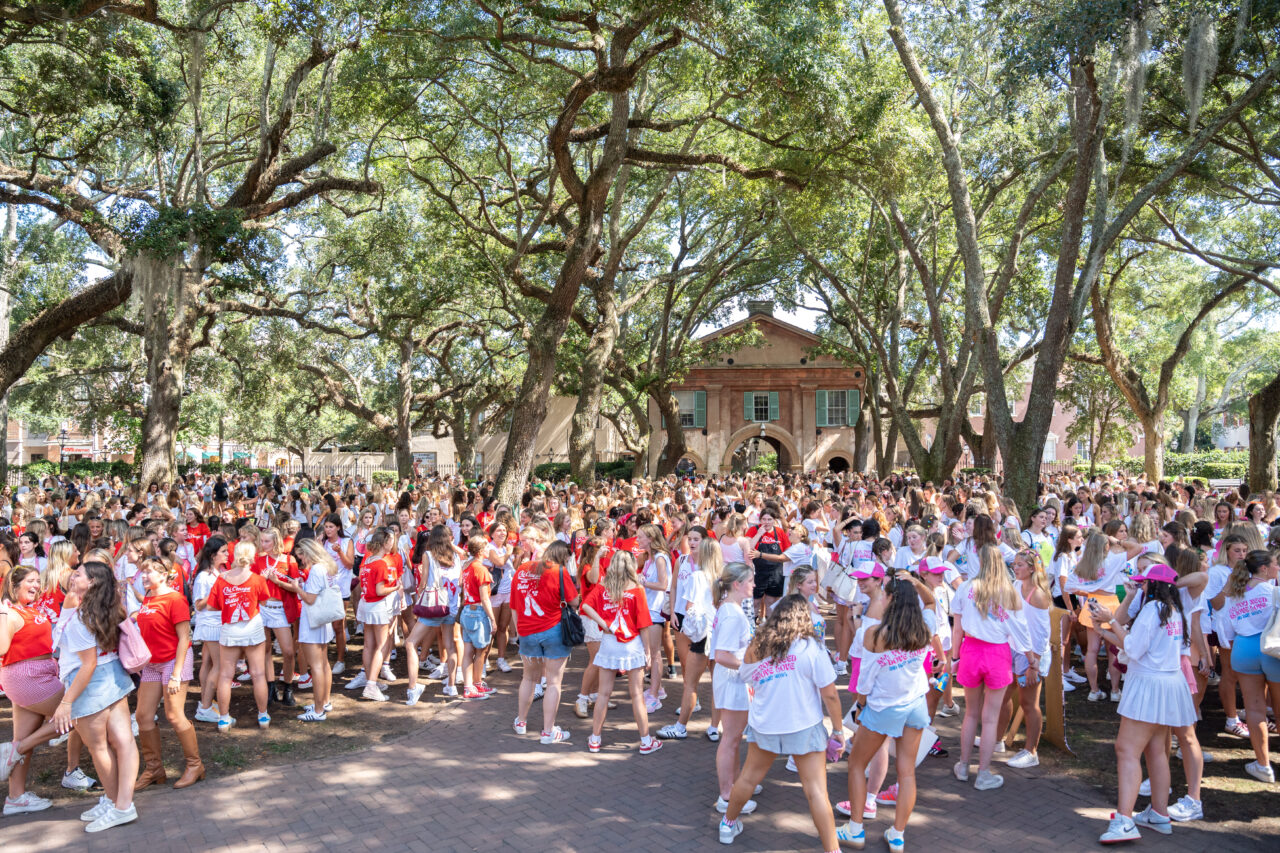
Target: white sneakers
point(338, 668)
point(1096, 695)
point(113, 817)
point(729, 831)
point(581, 709)
point(25, 804)
point(1260, 772)
point(97, 811)
point(437, 674)
point(520, 726)
point(386, 674)
point(988, 781)
point(1152, 819)
point(1024, 759)
point(415, 693)
point(374, 692)
point(675, 731)
point(1186, 809)
point(206, 715)
point(359, 681)
point(503, 665)
point(951, 710)
point(722, 806)
point(77, 780)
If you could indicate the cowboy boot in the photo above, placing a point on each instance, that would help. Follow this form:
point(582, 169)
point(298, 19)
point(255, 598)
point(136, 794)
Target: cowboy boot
point(286, 698)
point(153, 766)
point(273, 692)
point(194, 771)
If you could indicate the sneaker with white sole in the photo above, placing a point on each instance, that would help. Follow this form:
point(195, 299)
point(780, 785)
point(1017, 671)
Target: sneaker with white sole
point(1024, 759)
point(889, 796)
point(310, 715)
point(951, 710)
point(1120, 829)
point(1152, 819)
point(1261, 773)
point(713, 734)
point(264, 720)
point(961, 771)
point(25, 804)
point(373, 692)
point(675, 731)
point(520, 726)
point(869, 808)
point(1074, 677)
point(1096, 696)
point(503, 665)
point(651, 704)
point(1236, 728)
point(415, 693)
point(338, 668)
point(1115, 697)
point(987, 781)
point(386, 674)
point(855, 838)
point(729, 831)
point(841, 668)
point(580, 709)
point(450, 691)
point(1186, 809)
point(78, 780)
point(306, 682)
point(791, 764)
point(9, 759)
point(897, 844)
point(1067, 686)
point(98, 810)
point(114, 817)
point(206, 715)
point(538, 691)
point(593, 744)
point(722, 806)
point(359, 681)
point(651, 747)
point(1144, 790)
point(62, 738)
point(432, 660)
point(556, 735)
point(225, 723)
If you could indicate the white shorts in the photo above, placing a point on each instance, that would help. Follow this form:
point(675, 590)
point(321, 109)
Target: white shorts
point(273, 615)
point(208, 632)
point(727, 692)
point(377, 612)
point(592, 631)
point(345, 579)
point(240, 634)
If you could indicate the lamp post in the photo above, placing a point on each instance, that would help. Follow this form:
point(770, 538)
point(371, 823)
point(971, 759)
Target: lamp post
point(62, 447)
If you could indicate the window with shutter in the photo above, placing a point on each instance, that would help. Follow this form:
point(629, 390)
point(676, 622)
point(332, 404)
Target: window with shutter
point(836, 408)
point(687, 401)
point(853, 406)
point(773, 405)
point(821, 407)
point(700, 409)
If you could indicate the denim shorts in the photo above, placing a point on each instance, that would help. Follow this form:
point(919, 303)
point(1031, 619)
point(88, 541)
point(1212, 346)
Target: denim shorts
point(476, 629)
point(892, 720)
point(443, 621)
point(545, 644)
point(110, 684)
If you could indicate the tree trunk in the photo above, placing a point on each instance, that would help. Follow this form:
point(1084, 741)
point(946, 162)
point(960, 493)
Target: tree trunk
point(676, 446)
point(1153, 452)
point(530, 408)
point(7, 264)
point(165, 374)
point(1264, 409)
point(582, 428)
point(404, 410)
point(464, 445)
point(861, 444)
point(889, 457)
point(170, 313)
point(1191, 420)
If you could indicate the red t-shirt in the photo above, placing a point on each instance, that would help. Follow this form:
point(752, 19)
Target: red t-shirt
point(374, 573)
point(34, 639)
point(197, 535)
point(628, 545)
point(284, 564)
point(778, 537)
point(238, 602)
point(535, 596)
point(51, 602)
point(625, 619)
point(157, 620)
point(474, 576)
point(287, 545)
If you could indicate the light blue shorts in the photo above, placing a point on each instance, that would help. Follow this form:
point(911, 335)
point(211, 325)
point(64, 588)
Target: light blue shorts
point(1247, 658)
point(892, 720)
point(476, 629)
point(544, 644)
point(110, 684)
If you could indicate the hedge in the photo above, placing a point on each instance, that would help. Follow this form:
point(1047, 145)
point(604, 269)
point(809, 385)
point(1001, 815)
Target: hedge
point(76, 467)
point(619, 469)
point(1205, 465)
point(385, 478)
point(1101, 469)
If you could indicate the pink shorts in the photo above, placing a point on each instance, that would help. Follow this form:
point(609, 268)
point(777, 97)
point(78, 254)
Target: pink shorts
point(855, 666)
point(928, 664)
point(984, 664)
point(31, 682)
point(1189, 674)
point(161, 671)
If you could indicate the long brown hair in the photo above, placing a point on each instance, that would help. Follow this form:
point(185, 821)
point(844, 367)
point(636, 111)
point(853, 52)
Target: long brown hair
point(903, 627)
point(788, 622)
point(100, 608)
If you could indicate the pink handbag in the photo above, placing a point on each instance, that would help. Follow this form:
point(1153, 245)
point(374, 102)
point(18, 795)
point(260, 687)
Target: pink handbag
point(133, 651)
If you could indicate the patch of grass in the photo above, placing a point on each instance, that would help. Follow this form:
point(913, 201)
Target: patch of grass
point(47, 777)
point(230, 755)
point(280, 747)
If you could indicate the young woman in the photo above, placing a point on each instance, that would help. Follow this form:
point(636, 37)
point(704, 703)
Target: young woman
point(197, 531)
point(165, 623)
point(537, 591)
point(318, 572)
point(990, 625)
point(29, 677)
point(1232, 549)
point(477, 621)
point(794, 683)
point(1156, 697)
point(378, 584)
point(618, 606)
point(1033, 587)
point(892, 679)
point(498, 559)
point(96, 691)
point(590, 573)
point(280, 610)
point(238, 595)
point(31, 551)
point(442, 570)
point(696, 577)
point(1089, 579)
point(1247, 601)
point(343, 553)
point(1065, 556)
point(655, 574)
point(210, 564)
point(731, 634)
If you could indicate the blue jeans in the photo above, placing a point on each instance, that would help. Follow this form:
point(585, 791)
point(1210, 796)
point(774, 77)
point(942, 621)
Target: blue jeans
point(545, 644)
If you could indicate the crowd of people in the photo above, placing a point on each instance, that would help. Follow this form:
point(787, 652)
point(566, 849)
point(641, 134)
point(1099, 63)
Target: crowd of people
point(780, 585)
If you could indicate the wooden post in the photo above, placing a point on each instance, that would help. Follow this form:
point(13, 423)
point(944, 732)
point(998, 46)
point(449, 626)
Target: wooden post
point(1055, 730)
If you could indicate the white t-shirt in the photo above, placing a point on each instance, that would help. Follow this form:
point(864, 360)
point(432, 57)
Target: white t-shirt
point(200, 589)
point(893, 677)
point(787, 691)
point(999, 626)
point(656, 598)
point(76, 637)
point(449, 577)
point(1152, 647)
point(695, 592)
point(1247, 615)
point(730, 632)
point(684, 570)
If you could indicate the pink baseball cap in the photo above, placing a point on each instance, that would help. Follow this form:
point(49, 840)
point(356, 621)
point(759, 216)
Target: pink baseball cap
point(1158, 572)
point(932, 565)
point(862, 572)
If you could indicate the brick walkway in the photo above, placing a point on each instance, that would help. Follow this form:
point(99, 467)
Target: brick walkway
point(466, 782)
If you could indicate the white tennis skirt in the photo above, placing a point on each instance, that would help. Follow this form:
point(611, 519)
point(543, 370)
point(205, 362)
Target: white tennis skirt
point(1160, 698)
point(377, 612)
point(617, 655)
point(241, 634)
point(273, 615)
point(728, 693)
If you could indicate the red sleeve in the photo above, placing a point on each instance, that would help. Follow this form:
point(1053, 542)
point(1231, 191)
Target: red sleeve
point(214, 601)
point(179, 610)
point(640, 608)
point(570, 591)
point(784, 538)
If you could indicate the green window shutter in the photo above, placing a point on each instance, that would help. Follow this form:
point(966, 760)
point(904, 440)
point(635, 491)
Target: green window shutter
point(822, 408)
point(664, 421)
point(853, 406)
point(700, 409)
point(748, 406)
point(773, 405)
